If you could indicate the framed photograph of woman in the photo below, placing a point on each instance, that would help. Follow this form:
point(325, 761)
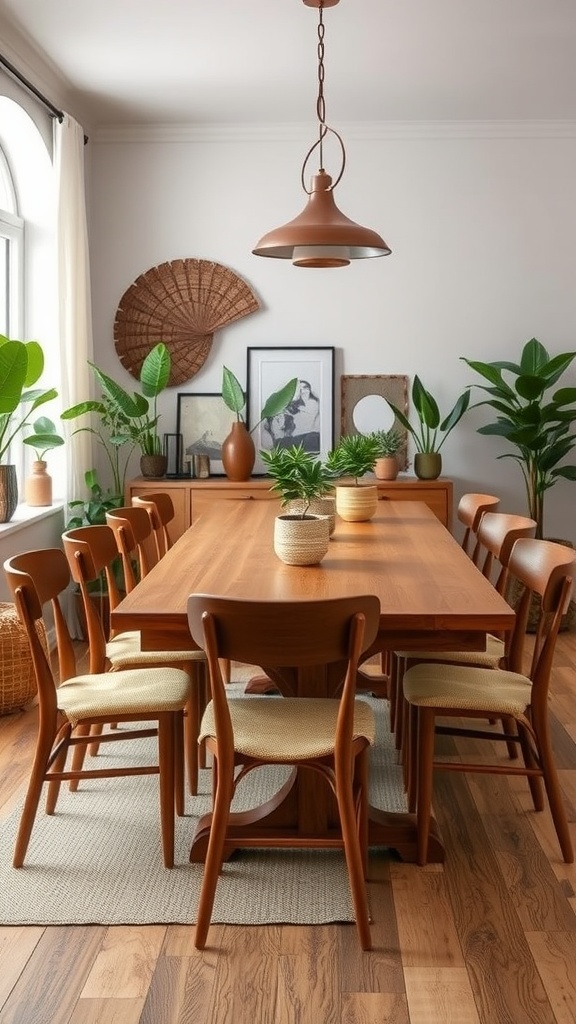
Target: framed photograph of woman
point(309, 418)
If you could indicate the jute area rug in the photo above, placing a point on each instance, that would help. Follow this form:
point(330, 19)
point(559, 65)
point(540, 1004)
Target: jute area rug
point(98, 859)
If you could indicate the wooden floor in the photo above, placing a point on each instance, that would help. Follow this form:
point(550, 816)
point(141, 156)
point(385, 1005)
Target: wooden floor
point(489, 937)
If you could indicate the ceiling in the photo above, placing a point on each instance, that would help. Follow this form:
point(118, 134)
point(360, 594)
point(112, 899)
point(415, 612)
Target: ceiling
point(210, 61)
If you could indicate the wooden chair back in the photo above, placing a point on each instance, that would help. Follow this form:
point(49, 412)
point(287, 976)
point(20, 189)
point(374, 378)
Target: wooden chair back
point(160, 509)
point(135, 541)
point(471, 508)
point(497, 534)
point(91, 552)
point(546, 571)
point(284, 637)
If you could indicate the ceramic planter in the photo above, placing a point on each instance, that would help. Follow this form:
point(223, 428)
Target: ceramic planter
point(238, 453)
point(427, 465)
point(386, 467)
point(356, 504)
point(153, 466)
point(300, 541)
point(38, 487)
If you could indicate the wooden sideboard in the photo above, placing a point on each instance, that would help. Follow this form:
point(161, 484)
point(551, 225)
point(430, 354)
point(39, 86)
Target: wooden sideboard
point(191, 498)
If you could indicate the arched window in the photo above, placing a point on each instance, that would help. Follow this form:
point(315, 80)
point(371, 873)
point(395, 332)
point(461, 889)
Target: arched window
point(11, 254)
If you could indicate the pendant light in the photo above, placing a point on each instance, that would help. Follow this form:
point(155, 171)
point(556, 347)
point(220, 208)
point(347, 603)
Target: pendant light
point(321, 236)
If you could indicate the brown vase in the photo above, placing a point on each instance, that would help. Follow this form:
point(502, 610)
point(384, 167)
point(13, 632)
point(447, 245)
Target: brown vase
point(8, 493)
point(153, 466)
point(238, 453)
point(38, 486)
point(427, 465)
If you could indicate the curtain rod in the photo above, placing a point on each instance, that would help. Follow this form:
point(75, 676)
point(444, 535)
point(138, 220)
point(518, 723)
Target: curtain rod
point(31, 88)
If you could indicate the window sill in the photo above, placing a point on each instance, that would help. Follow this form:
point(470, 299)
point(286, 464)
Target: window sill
point(25, 515)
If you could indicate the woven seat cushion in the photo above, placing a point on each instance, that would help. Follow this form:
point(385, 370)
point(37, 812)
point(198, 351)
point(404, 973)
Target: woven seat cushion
point(491, 657)
point(125, 650)
point(467, 689)
point(287, 729)
point(120, 693)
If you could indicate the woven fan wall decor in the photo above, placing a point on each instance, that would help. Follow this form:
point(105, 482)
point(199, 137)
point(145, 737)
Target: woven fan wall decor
point(180, 303)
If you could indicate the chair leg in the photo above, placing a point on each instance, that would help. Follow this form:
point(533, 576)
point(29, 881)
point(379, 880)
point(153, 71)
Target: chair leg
point(361, 790)
point(79, 752)
point(354, 860)
point(412, 757)
point(166, 733)
point(43, 748)
point(191, 730)
point(553, 791)
point(179, 761)
point(425, 759)
point(215, 852)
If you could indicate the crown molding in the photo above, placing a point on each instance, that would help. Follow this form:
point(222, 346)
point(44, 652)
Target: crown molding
point(367, 131)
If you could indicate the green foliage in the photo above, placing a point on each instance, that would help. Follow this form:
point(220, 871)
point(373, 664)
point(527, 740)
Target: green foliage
point(44, 437)
point(389, 442)
point(92, 510)
point(298, 475)
point(354, 455)
point(426, 435)
point(234, 397)
point(21, 365)
point(124, 421)
point(539, 426)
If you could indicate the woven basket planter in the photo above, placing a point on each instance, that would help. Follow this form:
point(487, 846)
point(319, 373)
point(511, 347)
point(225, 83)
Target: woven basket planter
point(17, 679)
point(317, 507)
point(301, 541)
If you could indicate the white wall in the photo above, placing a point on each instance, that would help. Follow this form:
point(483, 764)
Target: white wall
point(481, 228)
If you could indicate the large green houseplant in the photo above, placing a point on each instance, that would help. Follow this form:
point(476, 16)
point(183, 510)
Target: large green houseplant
point(536, 421)
point(21, 366)
point(431, 431)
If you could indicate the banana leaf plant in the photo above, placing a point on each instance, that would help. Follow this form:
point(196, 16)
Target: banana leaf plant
point(536, 424)
point(21, 366)
point(430, 433)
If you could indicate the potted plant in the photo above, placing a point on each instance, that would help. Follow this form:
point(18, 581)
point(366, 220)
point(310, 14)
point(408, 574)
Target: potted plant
point(21, 365)
point(354, 456)
point(301, 534)
point(536, 424)
point(426, 435)
point(129, 418)
point(389, 444)
point(238, 449)
point(38, 488)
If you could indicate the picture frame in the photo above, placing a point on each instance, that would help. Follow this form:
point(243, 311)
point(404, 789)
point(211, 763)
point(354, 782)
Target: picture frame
point(363, 406)
point(309, 418)
point(204, 421)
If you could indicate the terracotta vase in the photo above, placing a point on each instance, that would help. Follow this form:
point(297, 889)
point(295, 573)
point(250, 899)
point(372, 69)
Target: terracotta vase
point(153, 466)
point(38, 486)
point(8, 493)
point(427, 465)
point(238, 453)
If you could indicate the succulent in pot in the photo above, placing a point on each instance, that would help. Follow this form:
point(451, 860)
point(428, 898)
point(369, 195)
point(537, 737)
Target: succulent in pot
point(354, 456)
point(238, 449)
point(386, 465)
point(300, 535)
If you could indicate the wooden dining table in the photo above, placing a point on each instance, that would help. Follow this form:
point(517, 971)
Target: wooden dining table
point(431, 597)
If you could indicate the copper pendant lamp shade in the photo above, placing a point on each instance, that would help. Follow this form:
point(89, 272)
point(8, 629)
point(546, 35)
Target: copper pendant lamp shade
point(321, 236)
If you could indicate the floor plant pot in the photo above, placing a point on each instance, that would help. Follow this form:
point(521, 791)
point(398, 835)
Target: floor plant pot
point(301, 541)
point(427, 465)
point(238, 453)
point(356, 504)
point(8, 493)
point(154, 466)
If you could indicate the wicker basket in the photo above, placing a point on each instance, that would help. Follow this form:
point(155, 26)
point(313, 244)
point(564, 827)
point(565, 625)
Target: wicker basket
point(17, 679)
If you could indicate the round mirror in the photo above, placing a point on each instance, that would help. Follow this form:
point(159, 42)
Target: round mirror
point(372, 413)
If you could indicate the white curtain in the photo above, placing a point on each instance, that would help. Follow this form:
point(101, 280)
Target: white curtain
point(75, 312)
point(74, 309)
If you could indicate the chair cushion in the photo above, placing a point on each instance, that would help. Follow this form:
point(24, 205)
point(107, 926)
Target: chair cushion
point(490, 658)
point(280, 729)
point(436, 685)
point(119, 693)
point(125, 650)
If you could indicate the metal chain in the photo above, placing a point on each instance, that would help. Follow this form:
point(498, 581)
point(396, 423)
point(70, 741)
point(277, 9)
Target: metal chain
point(320, 105)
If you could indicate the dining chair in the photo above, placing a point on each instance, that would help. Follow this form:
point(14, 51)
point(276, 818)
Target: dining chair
point(329, 735)
point(435, 690)
point(71, 705)
point(91, 551)
point(469, 512)
point(496, 536)
point(160, 509)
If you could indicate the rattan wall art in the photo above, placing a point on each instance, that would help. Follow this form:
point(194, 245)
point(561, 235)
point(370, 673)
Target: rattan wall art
point(181, 303)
